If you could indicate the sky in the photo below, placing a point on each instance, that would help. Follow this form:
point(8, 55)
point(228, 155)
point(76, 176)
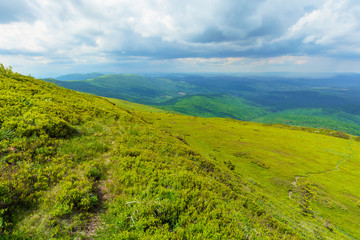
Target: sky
point(51, 37)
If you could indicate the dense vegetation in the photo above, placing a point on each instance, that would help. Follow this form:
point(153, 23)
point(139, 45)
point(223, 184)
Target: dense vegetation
point(322, 102)
point(76, 166)
point(306, 177)
point(49, 147)
point(315, 118)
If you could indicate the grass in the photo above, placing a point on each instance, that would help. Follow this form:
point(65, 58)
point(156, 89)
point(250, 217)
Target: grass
point(271, 157)
point(76, 166)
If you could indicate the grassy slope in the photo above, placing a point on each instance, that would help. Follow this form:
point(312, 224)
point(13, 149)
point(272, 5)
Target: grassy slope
point(76, 166)
point(297, 171)
point(52, 146)
point(135, 107)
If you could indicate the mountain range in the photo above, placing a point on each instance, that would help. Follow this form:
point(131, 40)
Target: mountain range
point(322, 101)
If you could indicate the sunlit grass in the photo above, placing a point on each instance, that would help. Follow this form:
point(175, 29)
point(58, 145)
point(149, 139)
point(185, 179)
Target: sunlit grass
point(271, 157)
point(75, 166)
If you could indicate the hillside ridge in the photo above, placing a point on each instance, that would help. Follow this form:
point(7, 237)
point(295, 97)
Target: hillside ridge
point(320, 102)
point(75, 165)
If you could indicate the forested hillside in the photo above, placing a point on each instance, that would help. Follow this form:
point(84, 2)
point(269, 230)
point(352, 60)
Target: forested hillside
point(78, 166)
point(330, 102)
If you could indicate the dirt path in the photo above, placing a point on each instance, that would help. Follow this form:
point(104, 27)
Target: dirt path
point(345, 158)
point(102, 192)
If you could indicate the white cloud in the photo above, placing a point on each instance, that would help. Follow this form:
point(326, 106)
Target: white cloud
point(109, 31)
point(336, 22)
point(23, 36)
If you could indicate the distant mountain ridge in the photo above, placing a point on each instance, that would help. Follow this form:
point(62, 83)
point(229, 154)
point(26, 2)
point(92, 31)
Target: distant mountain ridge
point(136, 88)
point(78, 76)
point(267, 99)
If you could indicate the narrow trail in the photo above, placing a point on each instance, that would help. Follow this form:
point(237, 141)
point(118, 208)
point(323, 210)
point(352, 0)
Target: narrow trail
point(345, 158)
point(95, 222)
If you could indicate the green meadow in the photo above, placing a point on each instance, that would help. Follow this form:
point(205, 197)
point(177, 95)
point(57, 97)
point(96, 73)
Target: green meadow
point(304, 173)
point(79, 166)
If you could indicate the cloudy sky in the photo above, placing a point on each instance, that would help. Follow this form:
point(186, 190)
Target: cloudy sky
point(51, 37)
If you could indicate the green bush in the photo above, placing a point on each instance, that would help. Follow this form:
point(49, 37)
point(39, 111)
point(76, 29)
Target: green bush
point(94, 173)
point(74, 194)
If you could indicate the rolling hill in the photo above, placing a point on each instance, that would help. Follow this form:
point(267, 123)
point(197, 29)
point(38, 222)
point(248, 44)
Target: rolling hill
point(131, 87)
point(74, 165)
point(78, 76)
point(330, 102)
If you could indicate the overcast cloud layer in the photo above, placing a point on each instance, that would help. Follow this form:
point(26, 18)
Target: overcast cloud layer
point(53, 37)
